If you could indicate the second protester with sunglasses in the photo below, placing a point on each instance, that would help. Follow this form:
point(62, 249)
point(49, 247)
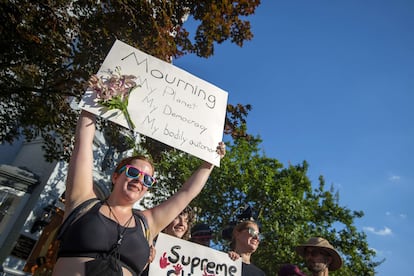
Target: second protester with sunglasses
point(111, 238)
point(244, 242)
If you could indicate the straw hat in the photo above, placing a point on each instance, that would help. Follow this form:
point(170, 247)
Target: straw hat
point(325, 245)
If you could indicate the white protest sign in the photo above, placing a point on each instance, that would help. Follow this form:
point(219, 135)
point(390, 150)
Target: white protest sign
point(170, 105)
point(180, 257)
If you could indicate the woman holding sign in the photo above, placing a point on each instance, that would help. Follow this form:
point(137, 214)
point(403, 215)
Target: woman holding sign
point(109, 237)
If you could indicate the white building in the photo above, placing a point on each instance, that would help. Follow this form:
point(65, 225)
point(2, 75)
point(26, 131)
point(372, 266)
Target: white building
point(30, 192)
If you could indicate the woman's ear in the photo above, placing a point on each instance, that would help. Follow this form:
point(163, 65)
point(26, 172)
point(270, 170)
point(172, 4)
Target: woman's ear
point(114, 178)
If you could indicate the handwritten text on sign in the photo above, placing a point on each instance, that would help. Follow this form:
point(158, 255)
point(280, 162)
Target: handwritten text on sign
point(170, 105)
point(180, 257)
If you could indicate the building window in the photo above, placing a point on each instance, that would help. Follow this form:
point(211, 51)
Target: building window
point(9, 199)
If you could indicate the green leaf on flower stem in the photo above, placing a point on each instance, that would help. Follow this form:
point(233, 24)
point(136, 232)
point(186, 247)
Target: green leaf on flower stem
point(121, 104)
point(114, 103)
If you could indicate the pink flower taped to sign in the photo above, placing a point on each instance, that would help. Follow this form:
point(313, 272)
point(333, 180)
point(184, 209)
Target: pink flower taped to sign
point(112, 91)
point(159, 100)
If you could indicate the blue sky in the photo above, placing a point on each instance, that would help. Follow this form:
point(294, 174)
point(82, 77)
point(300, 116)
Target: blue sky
point(331, 82)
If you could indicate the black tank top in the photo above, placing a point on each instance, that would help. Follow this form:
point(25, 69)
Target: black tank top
point(94, 234)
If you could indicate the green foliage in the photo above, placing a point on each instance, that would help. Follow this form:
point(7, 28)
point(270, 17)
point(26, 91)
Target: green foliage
point(290, 208)
point(51, 48)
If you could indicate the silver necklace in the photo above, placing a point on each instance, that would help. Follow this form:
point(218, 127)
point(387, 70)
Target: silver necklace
point(125, 226)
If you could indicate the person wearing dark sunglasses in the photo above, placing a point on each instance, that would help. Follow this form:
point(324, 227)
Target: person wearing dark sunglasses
point(245, 241)
point(111, 236)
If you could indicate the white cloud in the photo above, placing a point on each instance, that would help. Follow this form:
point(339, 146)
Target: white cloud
point(403, 216)
point(394, 178)
point(380, 232)
point(400, 216)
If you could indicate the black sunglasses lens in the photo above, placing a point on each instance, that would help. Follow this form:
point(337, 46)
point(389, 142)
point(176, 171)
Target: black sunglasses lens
point(133, 172)
point(148, 180)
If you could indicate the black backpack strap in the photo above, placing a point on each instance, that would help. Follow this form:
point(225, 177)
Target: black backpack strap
point(75, 215)
point(144, 221)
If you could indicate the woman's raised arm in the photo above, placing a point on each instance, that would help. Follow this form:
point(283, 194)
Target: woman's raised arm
point(79, 182)
point(160, 216)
